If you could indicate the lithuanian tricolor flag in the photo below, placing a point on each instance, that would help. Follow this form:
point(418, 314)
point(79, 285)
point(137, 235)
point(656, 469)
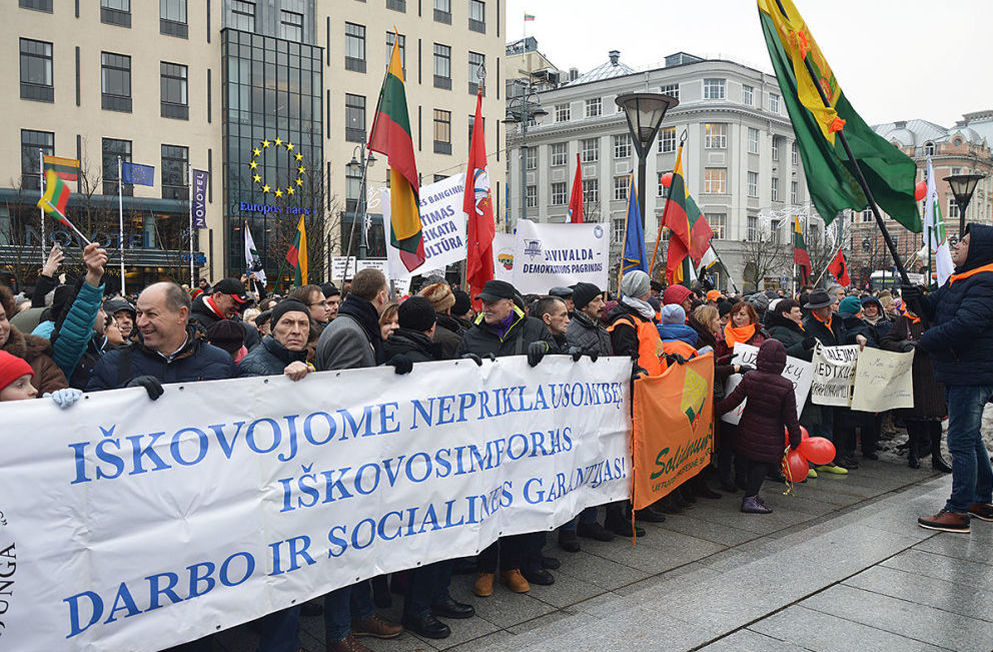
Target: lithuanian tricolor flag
point(297, 255)
point(390, 135)
point(800, 256)
point(55, 198)
point(66, 168)
point(890, 173)
point(690, 232)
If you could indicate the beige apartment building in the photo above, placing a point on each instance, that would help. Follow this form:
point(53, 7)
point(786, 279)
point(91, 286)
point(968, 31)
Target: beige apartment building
point(213, 85)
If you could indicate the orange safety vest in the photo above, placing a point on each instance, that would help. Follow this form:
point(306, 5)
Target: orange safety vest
point(649, 344)
point(679, 347)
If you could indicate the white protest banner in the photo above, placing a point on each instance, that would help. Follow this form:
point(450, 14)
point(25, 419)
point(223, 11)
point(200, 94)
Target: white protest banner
point(834, 371)
point(797, 371)
point(442, 224)
point(883, 381)
point(503, 257)
point(129, 524)
point(546, 255)
point(342, 267)
point(372, 263)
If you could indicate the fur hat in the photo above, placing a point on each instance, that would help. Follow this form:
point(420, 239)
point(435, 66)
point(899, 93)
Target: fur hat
point(440, 295)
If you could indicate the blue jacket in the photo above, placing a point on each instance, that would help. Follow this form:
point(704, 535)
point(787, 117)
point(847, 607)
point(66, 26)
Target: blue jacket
point(269, 359)
point(197, 360)
point(960, 339)
point(678, 332)
point(75, 335)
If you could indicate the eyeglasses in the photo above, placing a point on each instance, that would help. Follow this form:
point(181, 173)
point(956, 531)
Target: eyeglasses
point(319, 303)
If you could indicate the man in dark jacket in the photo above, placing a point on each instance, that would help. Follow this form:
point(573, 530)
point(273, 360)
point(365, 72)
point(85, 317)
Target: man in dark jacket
point(169, 349)
point(554, 314)
point(825, 326)
point(226, 302)
point(502, 329)
point(784, 324)
point(285, 350)
point(960, 341)
point(448, 332)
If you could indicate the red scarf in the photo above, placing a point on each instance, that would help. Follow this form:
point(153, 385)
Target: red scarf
point(733, 335)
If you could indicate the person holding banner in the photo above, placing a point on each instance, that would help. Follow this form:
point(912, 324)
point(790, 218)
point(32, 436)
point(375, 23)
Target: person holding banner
point(632, 327)
point(822, 325)
point(786, 325)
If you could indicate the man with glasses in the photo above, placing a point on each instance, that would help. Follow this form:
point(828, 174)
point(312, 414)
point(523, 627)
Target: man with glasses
point(313, 297)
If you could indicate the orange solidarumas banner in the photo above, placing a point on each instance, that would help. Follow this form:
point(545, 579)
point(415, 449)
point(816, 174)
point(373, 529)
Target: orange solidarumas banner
point(673, 428)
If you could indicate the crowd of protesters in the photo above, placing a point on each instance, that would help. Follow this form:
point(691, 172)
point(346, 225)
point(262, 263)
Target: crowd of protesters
point(78, 336)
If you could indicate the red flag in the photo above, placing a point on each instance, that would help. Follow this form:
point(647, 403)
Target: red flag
point(478, 207)
point(576, 199)
point(839, 267)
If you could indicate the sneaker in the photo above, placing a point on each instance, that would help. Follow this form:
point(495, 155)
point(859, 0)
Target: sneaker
point(811, 474)
point(946, 521)
point(594, 531)
point(514, 581)
point(833, 469)
point(377, 627)
point(483, 587)
point(982, 511)
point(752, 505)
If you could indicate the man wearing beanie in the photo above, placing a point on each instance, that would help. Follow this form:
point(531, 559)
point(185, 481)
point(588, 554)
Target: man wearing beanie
point(427, 595)
point(631, 326)
point(284, 350)
point(449, 331)
point(228, 335)
point(679, 295)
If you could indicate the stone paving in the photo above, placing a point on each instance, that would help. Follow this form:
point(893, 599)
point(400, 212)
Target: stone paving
point(841, 565)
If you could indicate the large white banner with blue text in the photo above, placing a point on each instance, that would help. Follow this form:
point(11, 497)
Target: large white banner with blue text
point(127, 524)
point(546, 255)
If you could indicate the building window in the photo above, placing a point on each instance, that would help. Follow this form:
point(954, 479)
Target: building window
point(622, 146)
point(753, 140)
point(442, 66)
point(715, 180)
point(531, 159)
point(715, 135)
point(775, 148)
point(591, 191)
point(115, 81)
point(243, 15)
point(662, 190)
point(929, 149)
point(354, 47)
point(558, 194)
point(753, 228)
point(37, 5)
point(953, 209)
point(353, 187)
point(174, 164)
point(397, 5)
point(713, 89)
point(621, 187)
point(746, 95)
point(531, 196)
point(559, 153)
point(670, 89)
point(172, 18)
point(402, 48)
point(563, 112)
point(593, 107)
point(753, 184)
point(795, 154)
point(477, 16)
point(718, 224)
point(443, 11)
point(617, 232)
point(112, 148)
point(31, 142)
point(116, 12)
point(590, 148)
point(175, 103)
point(774, 195)
point(773, 102)
point(442, 132)
point(36, 71)
point(667, 140)
point(291, 25)
point(354, 118)
point(477, 62)
point(794, 192)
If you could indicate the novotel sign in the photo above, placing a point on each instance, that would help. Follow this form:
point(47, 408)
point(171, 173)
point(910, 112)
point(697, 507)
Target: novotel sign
point(248, 207)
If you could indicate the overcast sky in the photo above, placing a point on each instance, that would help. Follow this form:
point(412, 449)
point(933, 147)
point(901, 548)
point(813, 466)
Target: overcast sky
point(895, 60)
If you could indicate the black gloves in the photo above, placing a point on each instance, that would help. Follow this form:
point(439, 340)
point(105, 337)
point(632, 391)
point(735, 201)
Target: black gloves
point(674, 358)
point(536, 351)
point(809, 342)
point(594, 356)
point(637, 372)
point(150, 383)
point(475, 358)
point(913, 298)
point(576, 353)
point(745, 368)
point(907, 346)
point(401, 364)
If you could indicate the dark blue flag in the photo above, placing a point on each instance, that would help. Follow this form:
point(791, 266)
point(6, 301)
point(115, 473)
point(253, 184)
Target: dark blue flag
point(137, 175)
point(634, 236)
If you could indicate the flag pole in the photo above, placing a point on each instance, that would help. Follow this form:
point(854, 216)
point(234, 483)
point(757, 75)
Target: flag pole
point(734, 286)
point(120, 218)
point(856, 168)
point(189, 188)
point(41, 184)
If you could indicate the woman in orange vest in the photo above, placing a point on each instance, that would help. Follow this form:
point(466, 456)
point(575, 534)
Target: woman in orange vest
point(632, 324)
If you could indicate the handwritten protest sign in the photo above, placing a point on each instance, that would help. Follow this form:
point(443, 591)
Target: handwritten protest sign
point(834, 373)
point(883, 381)
point(127, 524)
point(797, 371)
point(546, 255)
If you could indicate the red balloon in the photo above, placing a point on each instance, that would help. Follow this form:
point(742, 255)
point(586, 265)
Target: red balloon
point(803, 435)
point(667, 179)
point(920, 190)
point(796, 467)
point(817, 450)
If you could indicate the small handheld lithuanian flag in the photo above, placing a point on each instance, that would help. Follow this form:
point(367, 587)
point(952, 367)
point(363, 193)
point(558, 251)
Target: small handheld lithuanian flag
point(297, 255)
point(55, 199)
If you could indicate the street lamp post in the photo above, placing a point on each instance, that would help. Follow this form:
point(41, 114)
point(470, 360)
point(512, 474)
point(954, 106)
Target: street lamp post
point(363, 164)
point(528, 107)
point(644, 113)
point(962, 186)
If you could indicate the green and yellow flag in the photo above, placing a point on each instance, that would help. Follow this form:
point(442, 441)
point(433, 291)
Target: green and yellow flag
point(297, 255)
point(831, 180)
point(390, 135)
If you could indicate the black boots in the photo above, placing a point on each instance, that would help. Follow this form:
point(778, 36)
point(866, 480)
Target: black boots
point(937, 462)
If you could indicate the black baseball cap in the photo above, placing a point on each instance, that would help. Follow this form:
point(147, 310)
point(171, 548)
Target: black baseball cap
point(495, 290)
point(231, 286)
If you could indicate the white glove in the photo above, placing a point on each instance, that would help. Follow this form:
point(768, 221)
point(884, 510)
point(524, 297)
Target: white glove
point(65, 397)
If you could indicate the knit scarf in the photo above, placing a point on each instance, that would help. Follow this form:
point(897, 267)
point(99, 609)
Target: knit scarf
point(826, 323)
point(643, 308)
point(365, 314)
point(735, 334)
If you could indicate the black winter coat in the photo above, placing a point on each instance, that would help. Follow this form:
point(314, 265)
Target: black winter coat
point(588, 336)
point(960, 339)
point(448, 333)
point(835, 336)
point(790, 334)
point(415, 345)
point(929, 394)
point(482, 340)
point(202, 314)
point(269, 359)
point(771, 406)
